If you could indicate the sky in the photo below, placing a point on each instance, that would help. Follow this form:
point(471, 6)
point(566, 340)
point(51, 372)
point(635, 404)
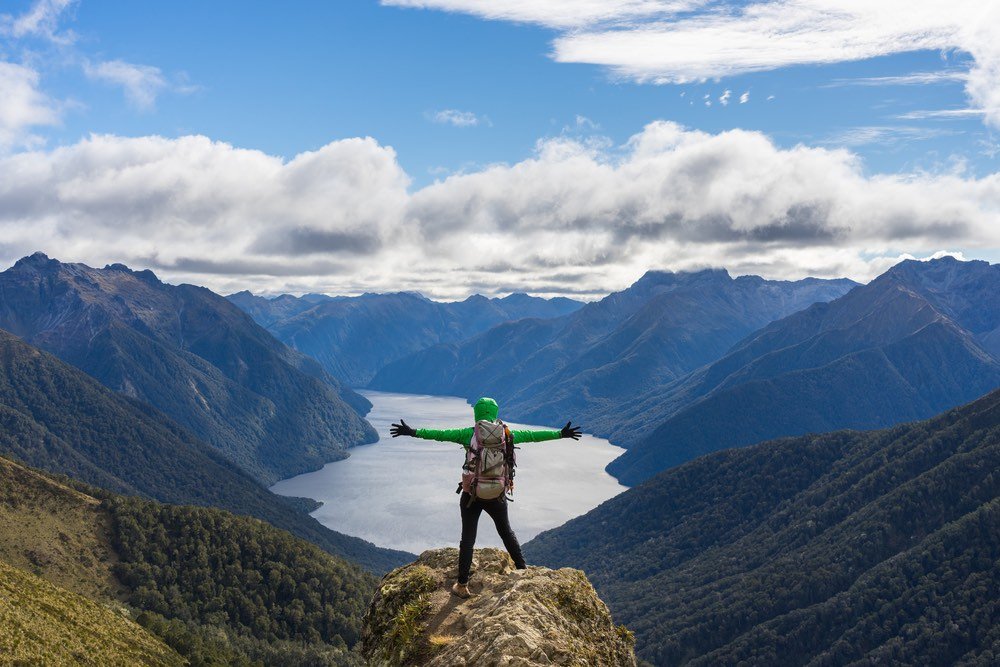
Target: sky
point(461, 146)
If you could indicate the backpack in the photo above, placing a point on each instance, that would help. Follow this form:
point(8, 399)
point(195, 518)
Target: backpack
point(488, 472)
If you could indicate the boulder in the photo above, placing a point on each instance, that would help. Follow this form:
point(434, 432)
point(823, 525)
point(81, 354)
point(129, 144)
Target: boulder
point(514, 618)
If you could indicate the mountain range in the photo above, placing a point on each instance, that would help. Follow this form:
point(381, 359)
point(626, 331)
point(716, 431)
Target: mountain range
point(589, 364)
point(877, 547)
point(917, 340)
point(57, 418)
point(193, 355)
point(354, 337)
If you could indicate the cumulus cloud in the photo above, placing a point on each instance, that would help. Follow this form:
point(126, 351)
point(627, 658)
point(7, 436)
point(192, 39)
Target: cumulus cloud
point(22, 107)
point(745, 97)
point(577, 217)
point(677, 42)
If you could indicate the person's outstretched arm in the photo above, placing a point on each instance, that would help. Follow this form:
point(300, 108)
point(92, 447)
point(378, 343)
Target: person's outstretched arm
point(567, 431)
point(462, 436)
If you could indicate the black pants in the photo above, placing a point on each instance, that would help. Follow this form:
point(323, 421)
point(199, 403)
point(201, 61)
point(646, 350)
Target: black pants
point(497, 509)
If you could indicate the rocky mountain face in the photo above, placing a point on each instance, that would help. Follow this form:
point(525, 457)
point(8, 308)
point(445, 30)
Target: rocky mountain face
point(191, 354)
point(515, 617)
point(587, 365)
point(57, 418)
point(915, 341)
point(877, 547)
point(354, 337)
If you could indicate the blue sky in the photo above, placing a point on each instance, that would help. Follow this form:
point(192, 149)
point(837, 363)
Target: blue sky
point(448, 87)
point(284, 81)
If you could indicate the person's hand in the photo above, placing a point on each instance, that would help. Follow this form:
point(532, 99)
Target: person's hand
point(569, 431)
point(402, 428)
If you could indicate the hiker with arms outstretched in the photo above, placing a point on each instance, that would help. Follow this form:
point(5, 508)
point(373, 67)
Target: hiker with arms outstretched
point(487, 476)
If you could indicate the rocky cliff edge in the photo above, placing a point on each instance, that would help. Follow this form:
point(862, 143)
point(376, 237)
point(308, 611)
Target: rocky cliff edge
point(514, 618)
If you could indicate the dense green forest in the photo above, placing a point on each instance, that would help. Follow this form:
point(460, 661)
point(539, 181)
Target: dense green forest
point(218, 589)
point(56, 418)
point(878, 546)
point(192, 567)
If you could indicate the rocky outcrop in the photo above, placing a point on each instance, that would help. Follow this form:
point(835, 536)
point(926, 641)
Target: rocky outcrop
point(514, 618)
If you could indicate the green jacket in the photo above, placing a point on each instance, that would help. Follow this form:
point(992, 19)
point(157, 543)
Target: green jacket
point(463, 436)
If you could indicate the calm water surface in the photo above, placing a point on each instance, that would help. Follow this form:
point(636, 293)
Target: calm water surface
point(400, 492)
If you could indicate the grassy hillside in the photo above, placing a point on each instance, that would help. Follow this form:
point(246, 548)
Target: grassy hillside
point(53, 530)
point(42, 624)
point(879, 546)
point(55, 417)
point(218, 588)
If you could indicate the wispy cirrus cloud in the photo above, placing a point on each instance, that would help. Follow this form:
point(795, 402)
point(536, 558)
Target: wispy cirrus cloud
point(40, 20)
point(562, 14)
point(911, 79)
point(924, 114)
point(141, 83)
point(457, 118)
point(678, 42)
point(886, 135)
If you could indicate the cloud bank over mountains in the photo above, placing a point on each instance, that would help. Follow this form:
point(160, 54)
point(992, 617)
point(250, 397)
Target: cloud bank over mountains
point(577, 217)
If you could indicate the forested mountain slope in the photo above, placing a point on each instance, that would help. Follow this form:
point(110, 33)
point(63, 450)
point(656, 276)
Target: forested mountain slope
point(218, 588)
point(191, 354)
point(55, 417)
point(876, 547)
point(354, 337)
point(915, 341)
point(590, 363)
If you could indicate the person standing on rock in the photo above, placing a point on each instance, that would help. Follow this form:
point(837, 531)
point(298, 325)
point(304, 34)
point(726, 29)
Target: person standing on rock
point(487, 476)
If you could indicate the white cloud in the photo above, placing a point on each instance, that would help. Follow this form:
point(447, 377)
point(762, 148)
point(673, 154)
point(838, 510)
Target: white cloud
point(141, 83)
point(40, 20)
point(558, 13)
point(457, 118)
point(22, 107)
point(667, 42)
point(912, 79)
point(576, 217)
point(942, 113)
point(745, 97)
point(724, 98)
point(887, 135)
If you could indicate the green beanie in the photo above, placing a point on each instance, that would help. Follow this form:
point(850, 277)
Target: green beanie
point(486, 408)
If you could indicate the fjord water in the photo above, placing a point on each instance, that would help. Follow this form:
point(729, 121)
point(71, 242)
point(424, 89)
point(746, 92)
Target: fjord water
point(400, 492)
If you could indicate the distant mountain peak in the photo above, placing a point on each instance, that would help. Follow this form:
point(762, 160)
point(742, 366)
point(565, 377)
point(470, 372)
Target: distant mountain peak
point(35, 259)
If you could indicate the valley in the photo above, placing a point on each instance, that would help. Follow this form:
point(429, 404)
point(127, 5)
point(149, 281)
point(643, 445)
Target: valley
point(400, 492)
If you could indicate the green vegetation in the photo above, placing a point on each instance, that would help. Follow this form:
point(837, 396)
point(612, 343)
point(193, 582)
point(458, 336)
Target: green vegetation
point(217, 588)
point(207, 566)
point(55, 417)
point(56, 532)
point(846, 547)
point(402, 601)
point(43, 624)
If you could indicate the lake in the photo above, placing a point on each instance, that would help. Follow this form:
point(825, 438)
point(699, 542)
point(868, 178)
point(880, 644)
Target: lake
point(400, 492)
